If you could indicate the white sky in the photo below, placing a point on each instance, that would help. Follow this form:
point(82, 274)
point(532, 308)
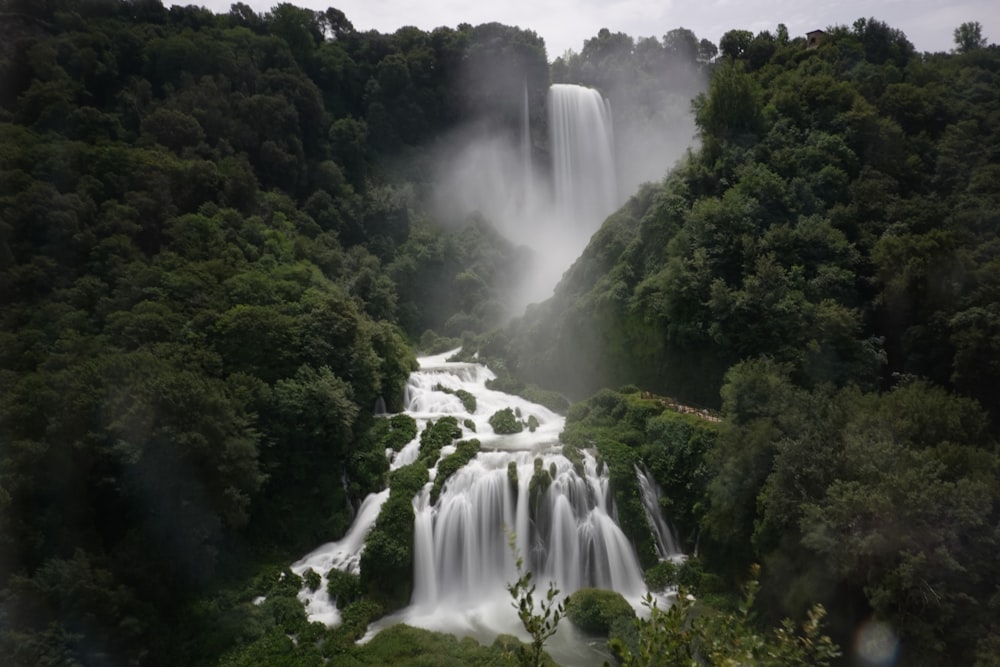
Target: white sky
point(565, 24)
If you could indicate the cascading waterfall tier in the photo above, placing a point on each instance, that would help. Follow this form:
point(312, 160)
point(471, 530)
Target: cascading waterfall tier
point(462, 559)
point(583, 161)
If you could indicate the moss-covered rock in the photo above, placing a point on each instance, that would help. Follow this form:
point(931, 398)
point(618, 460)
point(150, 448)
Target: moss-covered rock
point(387, 561)
point(344, 587)
point(468, 400)
point(465, 451)
point(438, 434)
point(594, 610)
point(575, 456)
point(539, 484)
point(505, 422)
point(532, 423)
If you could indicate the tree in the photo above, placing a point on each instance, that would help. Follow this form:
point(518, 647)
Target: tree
point(969, 37)
point(735, 43)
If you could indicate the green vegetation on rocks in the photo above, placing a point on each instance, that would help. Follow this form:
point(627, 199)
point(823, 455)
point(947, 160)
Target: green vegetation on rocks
point(594, 610)
point(437, 435)
point(465, 451)
point(344, 587)
point(505, 422)
point(387, 560)
point(468, 400)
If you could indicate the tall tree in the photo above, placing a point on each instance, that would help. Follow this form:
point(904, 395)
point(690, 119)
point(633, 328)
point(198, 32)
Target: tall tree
point(969, 36)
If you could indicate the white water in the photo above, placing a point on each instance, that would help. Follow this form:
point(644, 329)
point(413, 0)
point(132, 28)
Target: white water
point(553, 211)
point(462, 558)
point(583, 154)
point(663, 533)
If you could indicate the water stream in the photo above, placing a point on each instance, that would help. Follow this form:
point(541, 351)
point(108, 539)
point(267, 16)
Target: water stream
point(462, 558)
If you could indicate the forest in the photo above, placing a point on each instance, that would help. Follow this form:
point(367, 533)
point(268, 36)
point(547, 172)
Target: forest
point(218, 255)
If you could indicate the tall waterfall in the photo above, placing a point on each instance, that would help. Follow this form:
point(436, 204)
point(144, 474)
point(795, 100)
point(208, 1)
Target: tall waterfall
point(582, 154)
point(462, 561)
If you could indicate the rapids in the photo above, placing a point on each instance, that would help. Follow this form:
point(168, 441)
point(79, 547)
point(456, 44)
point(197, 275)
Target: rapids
point(462, 559)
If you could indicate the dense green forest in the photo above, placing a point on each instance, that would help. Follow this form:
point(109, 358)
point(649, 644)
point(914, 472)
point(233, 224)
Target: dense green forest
point(214, 263)
point(825, 270)
point(216, 257)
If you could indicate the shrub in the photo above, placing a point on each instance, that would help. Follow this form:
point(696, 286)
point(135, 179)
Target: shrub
point(661, 575)
point(312, 579)
point(387, 561)
point(343, 587)
point(465, 451)
point(512, 477)
point(532, 423)
point(403, 429)
point(539, 484)
point(468, 400)
point(469, 424)
point(594, 610)
point(356, 617)
point(504, 422)
point(573, 454)
point(437, 435)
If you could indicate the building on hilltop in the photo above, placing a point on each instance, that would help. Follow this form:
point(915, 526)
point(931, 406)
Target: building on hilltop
point(813, 38)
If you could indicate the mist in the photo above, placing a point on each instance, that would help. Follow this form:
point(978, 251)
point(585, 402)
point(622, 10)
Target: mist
point(514, 173)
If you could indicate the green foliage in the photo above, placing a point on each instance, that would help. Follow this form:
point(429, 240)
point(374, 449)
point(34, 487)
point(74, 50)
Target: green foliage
point(468, 400)
point(573, 454)
point(403, 645)
point(504, 422)
point(540, 624)
point(437, 435)
point(552, 400)
point(344, 587)
point(688, 633)
point(465, 451)
point(594, 610)
point(387, 561)
point(676, 452)
point(395, 432)
point(541, 480)
point(969, 36)
point(312, 579)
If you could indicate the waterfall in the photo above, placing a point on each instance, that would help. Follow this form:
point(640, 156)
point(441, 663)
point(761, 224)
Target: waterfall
point(583, 160)
point(462, 560)
point(666, 542)
point(527, 175)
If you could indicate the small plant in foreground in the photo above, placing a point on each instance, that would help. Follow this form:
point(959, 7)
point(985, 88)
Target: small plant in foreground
point(541, 625)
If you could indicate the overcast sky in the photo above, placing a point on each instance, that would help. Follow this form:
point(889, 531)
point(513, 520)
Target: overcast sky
point(565, 24)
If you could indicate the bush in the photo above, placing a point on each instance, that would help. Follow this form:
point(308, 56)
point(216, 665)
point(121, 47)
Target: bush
point(343, 587)
point(575, 456)
point(387, 561)
point(532, 423)
point(512, 474)
point(593, 610)
point(504, 422)
point(356, 617)
point(403, 429)
point(539, 484)
point(468, 400)
point(312, 579)
point(553, 400)
point(469, 424)
point(437, 435)
point(465, 451)
point(661, 575)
